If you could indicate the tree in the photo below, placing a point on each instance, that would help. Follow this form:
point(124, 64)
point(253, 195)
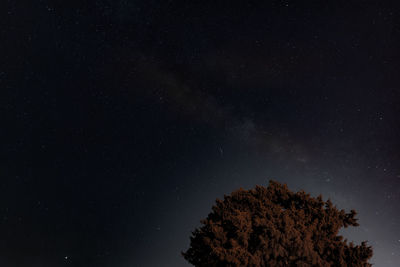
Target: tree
point(272, 226)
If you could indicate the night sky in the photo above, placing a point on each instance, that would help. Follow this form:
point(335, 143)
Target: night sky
point(123, 120)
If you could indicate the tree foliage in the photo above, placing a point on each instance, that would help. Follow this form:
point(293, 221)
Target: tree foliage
point(272, 226)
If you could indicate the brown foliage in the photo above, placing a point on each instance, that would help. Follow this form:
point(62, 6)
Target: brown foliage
point(275, 227)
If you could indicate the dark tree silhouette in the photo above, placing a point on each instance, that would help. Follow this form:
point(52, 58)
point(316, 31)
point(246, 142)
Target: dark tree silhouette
point(275, 227)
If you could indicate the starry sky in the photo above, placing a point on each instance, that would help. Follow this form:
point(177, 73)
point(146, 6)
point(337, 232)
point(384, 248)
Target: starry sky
point(123, 121)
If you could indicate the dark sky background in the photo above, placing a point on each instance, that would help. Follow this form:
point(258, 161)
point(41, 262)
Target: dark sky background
point(123, 121)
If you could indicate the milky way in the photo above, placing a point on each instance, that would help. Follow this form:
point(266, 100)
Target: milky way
point(125, 120)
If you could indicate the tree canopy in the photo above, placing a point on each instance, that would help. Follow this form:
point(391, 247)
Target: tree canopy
point(272, 226)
